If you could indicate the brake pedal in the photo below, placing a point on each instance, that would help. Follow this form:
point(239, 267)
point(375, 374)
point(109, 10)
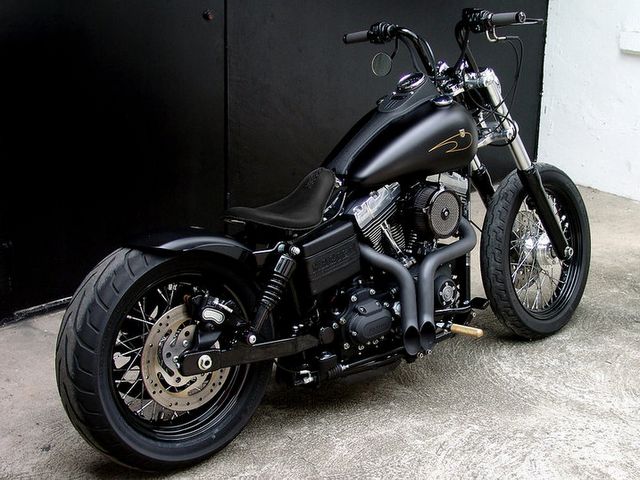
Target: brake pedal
point(479, 303)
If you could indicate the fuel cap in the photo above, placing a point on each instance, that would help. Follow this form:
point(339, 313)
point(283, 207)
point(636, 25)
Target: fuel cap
point(410, 82)
point(443, 100)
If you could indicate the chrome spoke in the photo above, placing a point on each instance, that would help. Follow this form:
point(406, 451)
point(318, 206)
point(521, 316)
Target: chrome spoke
point(537, 275)
point(141, 308)
point(146, 322)
point(131, 388)
point(147, 386)
point(163, 296)
point(145, 406)
point(125, 343)
point(172, 288)
point(130, 351)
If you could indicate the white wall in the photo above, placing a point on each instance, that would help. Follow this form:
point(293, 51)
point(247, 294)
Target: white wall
point(590, 121)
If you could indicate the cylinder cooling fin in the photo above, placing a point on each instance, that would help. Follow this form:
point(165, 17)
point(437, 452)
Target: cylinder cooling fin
point(372, 213)
point(436, 212)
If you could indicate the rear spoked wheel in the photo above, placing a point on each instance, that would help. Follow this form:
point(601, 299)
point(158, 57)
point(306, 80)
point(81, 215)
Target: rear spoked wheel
point(118, 361)
point(149, 342)
point(530, 289)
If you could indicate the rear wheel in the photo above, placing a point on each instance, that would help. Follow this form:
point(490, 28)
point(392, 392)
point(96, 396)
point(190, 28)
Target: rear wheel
point(116, 361)
point(532, 291)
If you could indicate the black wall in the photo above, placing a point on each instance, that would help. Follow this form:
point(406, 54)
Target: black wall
point(111, 122)
point(113, 114)
point(295, 88)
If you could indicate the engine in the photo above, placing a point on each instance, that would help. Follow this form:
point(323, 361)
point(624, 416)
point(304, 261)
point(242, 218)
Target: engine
point(397, 223)
point(373, 215)
point(408, 225)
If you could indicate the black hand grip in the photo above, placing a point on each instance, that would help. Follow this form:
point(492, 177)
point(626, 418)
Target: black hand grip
point(508, 18)
point(356, 37)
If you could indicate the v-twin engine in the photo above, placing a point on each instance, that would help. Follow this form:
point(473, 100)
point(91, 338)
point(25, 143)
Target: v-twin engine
point(396, 222)
point(373, 216)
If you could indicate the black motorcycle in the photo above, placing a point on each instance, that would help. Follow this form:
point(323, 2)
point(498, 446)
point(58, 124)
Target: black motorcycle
point(167, 347)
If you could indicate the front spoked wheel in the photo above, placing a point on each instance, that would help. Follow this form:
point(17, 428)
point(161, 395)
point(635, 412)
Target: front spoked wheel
point(530, 289)
point(117, 361)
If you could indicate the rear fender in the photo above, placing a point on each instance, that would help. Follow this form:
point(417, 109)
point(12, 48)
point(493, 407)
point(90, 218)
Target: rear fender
point(196, 240)
point(202, 242)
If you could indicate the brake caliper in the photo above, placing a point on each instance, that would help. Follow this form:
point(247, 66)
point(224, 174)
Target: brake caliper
point(214, 316)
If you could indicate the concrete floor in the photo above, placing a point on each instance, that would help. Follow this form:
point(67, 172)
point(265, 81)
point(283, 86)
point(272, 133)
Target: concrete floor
point(564, 407)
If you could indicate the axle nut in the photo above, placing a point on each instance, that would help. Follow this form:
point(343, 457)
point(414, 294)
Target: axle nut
point(204, 362)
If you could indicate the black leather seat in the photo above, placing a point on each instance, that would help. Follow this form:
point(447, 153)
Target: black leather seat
point(300, 210)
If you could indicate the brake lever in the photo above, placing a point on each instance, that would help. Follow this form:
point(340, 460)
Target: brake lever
point(533, 21)
point(493, 37)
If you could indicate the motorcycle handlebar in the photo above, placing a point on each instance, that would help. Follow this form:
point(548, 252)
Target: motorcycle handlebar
point(507, 18)
point(381, 32)
point(356, 37)
point(479, 21)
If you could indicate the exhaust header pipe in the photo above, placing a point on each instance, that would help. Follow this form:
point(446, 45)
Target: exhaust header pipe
point(419, 329)
point(409, 308)
point(426, 279)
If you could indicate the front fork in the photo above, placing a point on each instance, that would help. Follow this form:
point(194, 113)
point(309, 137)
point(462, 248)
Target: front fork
point(527, 170)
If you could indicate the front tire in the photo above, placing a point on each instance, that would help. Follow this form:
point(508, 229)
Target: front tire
point(531, 291)
point(99, 367)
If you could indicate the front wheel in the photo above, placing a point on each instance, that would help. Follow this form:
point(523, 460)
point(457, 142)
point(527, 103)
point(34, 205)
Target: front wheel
point(116, 352)
point(531, 291)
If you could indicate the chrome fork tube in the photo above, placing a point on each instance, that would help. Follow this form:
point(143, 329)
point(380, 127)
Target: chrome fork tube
point(518, 150)
point(527, 171)
point(475, 164)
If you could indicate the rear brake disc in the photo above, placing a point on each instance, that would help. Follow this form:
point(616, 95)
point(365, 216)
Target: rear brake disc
point(168, 338)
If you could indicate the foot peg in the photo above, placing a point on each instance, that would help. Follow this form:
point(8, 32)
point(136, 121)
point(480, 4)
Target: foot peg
point(466, 330)
point(479, 303)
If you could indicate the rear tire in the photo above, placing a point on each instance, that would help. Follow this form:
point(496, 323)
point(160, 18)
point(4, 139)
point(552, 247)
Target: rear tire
point(516, 258)
point(88, 381)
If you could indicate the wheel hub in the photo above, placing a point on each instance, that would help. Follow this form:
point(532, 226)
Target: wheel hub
point(535, 244)
point(545, 255)
point(168, 338)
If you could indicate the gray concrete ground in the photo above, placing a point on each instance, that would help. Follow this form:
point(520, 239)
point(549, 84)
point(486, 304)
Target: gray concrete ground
point(564, 407)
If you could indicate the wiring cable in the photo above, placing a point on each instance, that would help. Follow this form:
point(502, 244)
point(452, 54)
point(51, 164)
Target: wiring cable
point(493, 110)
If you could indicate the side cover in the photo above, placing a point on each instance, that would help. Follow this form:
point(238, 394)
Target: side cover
point(331, 256)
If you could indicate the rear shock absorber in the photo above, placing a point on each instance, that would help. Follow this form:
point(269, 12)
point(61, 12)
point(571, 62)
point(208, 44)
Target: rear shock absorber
point(273, 290)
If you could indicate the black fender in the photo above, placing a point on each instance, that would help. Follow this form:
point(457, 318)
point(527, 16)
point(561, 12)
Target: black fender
point(194, 239)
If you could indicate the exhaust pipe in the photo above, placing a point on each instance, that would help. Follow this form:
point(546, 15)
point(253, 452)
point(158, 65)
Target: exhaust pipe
point(426, 279)
point(409, 308)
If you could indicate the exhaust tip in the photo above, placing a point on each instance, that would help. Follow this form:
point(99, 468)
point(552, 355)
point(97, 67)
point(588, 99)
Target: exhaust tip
point(411, 339)
point(427, 337)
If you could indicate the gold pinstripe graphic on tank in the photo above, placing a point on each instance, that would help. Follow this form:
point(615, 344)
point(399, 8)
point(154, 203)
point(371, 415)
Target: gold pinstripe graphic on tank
point(454, 142)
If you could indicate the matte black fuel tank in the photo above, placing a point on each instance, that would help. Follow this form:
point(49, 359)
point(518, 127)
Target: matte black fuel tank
point(421, 138)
